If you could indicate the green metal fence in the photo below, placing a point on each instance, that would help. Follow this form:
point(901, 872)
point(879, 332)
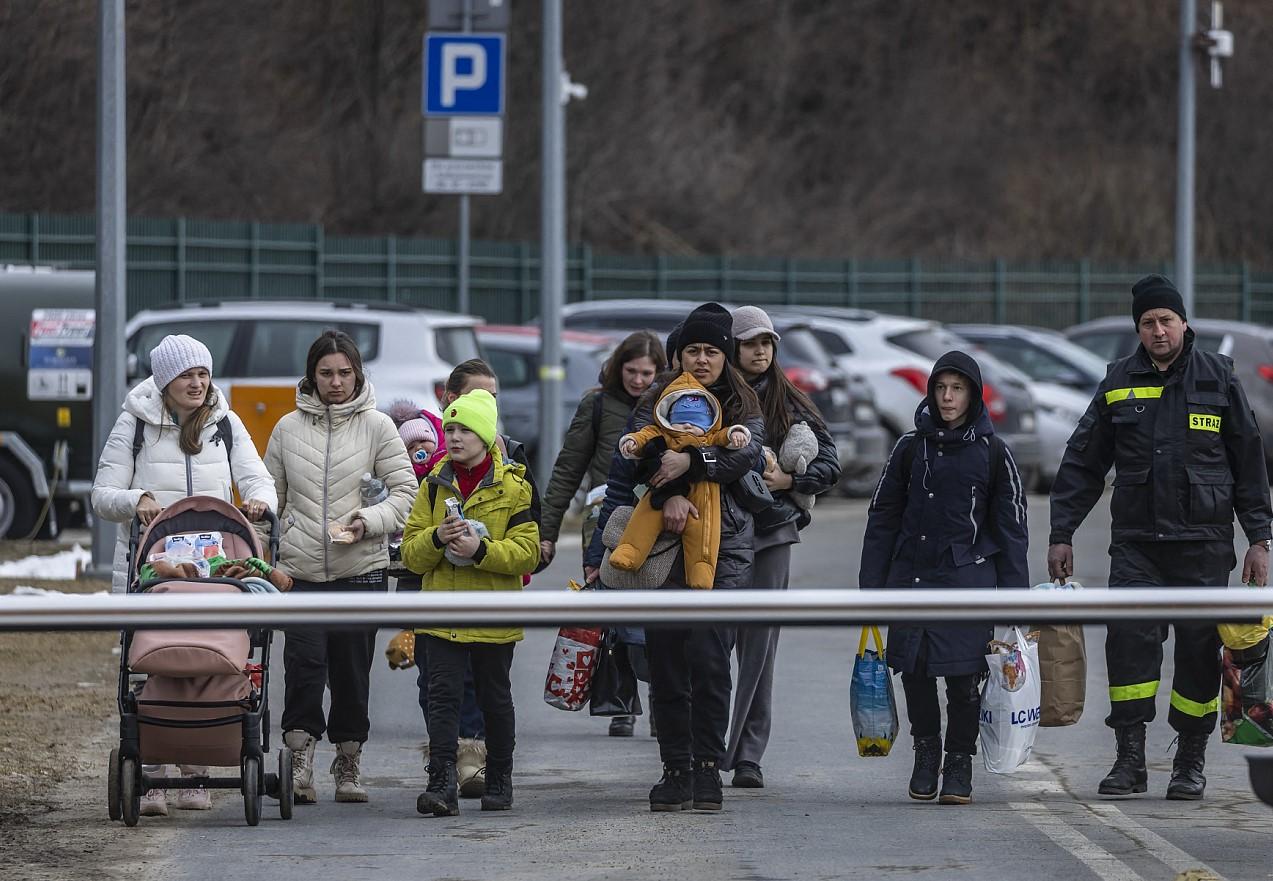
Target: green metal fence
point(179, 260)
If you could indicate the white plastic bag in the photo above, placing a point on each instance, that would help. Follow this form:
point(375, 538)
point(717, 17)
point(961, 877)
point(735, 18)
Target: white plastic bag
point(1010, 706)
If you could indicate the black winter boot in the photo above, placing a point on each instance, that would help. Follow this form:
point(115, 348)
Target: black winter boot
point(498, 795)
point(441, 797)
point(674, 792)
point(708, 795)
point(1128, 774)
point(923, 786)
point(1187, 782)
point(956, 780)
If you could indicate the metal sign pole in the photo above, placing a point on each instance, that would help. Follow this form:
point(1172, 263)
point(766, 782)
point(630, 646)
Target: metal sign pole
point(462, 300)
point(1185, 155)
point(552, 260)
point(108, 348)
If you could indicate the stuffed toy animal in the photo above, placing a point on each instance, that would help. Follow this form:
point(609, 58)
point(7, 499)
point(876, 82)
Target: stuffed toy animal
point(400, 652)
point(799, 449)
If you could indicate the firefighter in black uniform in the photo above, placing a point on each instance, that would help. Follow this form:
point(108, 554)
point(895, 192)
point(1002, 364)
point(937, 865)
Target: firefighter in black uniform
point(1176, 423)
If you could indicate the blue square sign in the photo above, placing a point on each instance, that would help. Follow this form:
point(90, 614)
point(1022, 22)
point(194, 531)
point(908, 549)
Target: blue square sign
point(463, 74)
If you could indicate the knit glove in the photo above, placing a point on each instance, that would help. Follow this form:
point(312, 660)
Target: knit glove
point(400, 651)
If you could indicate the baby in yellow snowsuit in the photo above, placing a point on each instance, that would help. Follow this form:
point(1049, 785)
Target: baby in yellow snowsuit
point(685, 415)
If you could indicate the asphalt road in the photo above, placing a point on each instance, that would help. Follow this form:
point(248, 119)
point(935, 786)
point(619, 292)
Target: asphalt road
point(581, 809)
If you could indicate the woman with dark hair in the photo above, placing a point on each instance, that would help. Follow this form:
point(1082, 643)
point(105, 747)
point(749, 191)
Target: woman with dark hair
point(335, 538)
point(590, 442)
point(689, 666)
point(777, 529)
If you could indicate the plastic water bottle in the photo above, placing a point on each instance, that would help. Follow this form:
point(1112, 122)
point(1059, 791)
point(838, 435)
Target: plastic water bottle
point(372, 489)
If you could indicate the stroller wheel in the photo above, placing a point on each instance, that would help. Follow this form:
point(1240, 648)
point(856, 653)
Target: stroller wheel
point(114, 808)
point(129, 791)
point(285, 783)
point(252, 790)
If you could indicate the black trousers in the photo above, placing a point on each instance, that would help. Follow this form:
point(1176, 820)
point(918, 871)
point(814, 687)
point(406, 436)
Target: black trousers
point(689, 691)
point(490, 663)
point(1133, 652)
point(963, 706)
point(339, 660)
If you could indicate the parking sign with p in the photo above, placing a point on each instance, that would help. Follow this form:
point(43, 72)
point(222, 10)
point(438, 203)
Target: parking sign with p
point(463, 74)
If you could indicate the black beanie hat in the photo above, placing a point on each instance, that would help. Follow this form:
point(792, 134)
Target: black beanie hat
point(710, 323)
point(1156, 292)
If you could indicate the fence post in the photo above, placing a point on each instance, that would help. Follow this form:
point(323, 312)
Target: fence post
point(33, 224)
point(391, 267)
point(585, 271)
point(1001, 304)
point(789, 288)
point(851, 281)
point(722, 281)
point(319, 257)
point(523, 282)
point(255, 288)
point(914, 292)
point(660, 277)
point(1085, 290)
point(1246, 292)
point(181, 260)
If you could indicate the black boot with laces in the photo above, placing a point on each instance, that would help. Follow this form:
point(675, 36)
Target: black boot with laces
point(956, 779)
point(1187, 782)
point(1128, 774)
point(441, 797)
point(498, 795)
point(673, 792)
point(923, 786)
point(708, 793)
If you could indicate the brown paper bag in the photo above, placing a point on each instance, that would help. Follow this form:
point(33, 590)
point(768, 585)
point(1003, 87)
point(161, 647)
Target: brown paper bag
point(1063, 671)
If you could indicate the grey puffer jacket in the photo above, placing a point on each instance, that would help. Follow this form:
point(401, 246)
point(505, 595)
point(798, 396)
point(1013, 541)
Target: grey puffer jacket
point(737, 530)
point(317, 456)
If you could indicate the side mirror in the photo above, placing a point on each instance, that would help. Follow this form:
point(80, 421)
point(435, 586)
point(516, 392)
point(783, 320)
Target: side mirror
point(132, 366)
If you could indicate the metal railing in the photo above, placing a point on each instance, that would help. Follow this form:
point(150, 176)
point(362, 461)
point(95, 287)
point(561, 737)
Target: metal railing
point(656, 607)
point(181, 260)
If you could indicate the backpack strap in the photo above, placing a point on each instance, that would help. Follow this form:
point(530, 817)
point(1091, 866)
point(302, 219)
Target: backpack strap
point(139, 437)
point(994, 444)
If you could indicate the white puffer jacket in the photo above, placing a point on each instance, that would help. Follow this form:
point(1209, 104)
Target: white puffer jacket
point(317, 456)
point(167, 473)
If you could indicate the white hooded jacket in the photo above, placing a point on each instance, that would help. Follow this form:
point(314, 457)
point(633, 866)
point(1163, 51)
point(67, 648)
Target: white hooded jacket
point(317, 456)
point(167, 473)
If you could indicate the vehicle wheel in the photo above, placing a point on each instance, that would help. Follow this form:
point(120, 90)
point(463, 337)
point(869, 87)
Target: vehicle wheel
point(252, 791)
point(285, 793)
point(113, 808)
point(18, 505)
point(129, 791)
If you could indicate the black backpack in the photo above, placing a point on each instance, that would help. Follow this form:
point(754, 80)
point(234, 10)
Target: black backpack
point(997, 448)
point(224, 435)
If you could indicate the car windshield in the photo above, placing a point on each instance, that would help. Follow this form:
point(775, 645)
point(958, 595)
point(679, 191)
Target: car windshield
point(218, 336)
point(800, 346)
point(279, 347)
point(931, 342)
point(455, 345)
point(1056, 360)
point(1112, 344)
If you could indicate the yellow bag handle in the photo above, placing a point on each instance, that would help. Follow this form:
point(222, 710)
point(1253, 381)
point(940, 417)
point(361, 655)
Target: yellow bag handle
point(879, 641)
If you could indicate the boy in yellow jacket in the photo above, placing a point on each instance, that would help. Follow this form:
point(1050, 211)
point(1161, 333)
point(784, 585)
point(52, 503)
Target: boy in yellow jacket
point(448, 553)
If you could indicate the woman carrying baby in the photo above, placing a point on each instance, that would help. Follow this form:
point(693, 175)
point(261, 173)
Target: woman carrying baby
point(800, 463)
point(689, 666)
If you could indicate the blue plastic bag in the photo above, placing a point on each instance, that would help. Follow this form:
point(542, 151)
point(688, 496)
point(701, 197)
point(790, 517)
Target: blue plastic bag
point(871, 699)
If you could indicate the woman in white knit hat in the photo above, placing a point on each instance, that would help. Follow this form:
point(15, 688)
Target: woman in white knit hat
point(179, 416)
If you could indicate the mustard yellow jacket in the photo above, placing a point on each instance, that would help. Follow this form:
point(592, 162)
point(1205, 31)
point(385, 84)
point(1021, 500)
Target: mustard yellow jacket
point(502, 502)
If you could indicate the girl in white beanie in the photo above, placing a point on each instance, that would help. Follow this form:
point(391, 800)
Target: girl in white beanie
point(180, 419)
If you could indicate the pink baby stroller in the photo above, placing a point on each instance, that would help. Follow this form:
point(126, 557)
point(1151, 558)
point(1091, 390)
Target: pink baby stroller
point(199, 704)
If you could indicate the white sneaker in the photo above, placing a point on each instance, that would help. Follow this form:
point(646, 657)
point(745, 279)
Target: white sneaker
point(154, 804)
point(302, 746)
point(197, 799)
point(346, 772)
point(470, 767)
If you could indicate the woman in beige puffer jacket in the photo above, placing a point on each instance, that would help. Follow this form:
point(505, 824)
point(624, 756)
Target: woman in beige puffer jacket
point(317, 456)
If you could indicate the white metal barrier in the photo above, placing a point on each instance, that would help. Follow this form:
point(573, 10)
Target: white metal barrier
point(560, 607)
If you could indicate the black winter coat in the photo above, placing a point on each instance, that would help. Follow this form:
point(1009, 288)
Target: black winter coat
point(1187, 448)
point(945, 525)
point(733, 565)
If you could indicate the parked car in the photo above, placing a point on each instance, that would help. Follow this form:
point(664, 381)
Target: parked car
point(1045, 356)
point(895, 355)
point(845, 404)
point(1249, 345)
point(513, 353)
point(259, 348)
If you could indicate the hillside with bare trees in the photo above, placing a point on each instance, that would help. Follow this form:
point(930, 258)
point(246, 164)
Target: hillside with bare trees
point(1032, 129)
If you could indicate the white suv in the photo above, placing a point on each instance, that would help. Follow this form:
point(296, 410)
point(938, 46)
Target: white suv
point(259, 348)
